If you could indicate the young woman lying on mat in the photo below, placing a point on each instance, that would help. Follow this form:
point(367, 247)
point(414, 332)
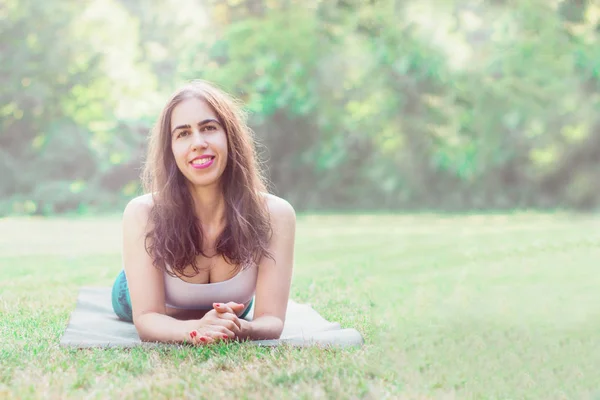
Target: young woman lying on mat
point(207, 240)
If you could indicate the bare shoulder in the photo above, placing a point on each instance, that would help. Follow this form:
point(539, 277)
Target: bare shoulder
point(280, 210)
point(138, 209)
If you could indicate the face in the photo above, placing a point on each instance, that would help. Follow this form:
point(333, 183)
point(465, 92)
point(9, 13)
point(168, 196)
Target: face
point(199, 142)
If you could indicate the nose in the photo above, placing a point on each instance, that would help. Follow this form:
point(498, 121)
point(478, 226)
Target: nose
point(198, 141)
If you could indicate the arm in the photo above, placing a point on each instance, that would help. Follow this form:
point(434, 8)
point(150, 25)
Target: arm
point(274, 277)
point(146, 283)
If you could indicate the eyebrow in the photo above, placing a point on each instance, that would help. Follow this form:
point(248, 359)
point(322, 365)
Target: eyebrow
point(203, 122)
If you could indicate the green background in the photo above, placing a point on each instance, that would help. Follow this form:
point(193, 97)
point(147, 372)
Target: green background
point(453, 105)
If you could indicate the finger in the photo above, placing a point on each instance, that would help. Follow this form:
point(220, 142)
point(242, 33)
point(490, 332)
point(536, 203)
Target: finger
point(205, 339)
point(222, 308)
point(198, 339)
point(228, 323)
point(222, 331)
point(236, 307)
point(231, 317)
point(218, 336)
point(191, 337)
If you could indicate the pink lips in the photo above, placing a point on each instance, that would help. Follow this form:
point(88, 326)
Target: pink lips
point(205, 165)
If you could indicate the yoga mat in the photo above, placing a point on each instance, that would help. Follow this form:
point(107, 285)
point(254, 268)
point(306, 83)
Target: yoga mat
point(94, 324)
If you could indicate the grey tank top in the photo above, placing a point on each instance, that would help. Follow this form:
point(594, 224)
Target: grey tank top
point(201, 296)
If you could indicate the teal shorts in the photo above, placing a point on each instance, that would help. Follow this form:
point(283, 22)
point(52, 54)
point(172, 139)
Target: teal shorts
point(121, 301)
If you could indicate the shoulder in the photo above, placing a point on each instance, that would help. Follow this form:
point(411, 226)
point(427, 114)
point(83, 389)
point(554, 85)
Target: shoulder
point(280, 211)
point(138, 209)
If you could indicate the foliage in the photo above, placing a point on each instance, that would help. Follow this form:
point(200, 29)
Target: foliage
point(355, 104)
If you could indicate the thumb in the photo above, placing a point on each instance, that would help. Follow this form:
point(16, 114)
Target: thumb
point(236, 306)
point(229, 307)
point(221, 307)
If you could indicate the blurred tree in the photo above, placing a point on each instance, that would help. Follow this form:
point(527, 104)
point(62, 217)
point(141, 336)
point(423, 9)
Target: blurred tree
point(69, 75)
point(355, 103)
point(32, 78)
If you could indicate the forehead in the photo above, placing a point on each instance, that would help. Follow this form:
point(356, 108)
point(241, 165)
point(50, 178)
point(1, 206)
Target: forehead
point(190, 112)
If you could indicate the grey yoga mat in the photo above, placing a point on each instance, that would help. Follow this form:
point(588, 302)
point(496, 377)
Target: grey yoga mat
point(94, 324)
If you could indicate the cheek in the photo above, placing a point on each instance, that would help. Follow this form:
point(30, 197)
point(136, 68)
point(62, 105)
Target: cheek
point(177, 151)
point(225, 144)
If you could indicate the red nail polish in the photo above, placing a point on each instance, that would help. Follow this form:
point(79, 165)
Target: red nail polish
point(225, 337)
point(202, 339)
point(193, 334)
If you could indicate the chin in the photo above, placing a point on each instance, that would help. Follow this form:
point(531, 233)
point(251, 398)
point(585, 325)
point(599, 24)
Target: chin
point(203, 183)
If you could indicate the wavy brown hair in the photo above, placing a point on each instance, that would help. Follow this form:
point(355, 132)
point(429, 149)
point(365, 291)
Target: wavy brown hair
point(176, 237)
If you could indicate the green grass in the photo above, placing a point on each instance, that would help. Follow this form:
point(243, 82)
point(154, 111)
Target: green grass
point(470, 307)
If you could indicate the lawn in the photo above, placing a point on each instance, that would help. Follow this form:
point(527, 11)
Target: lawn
point(491, 306)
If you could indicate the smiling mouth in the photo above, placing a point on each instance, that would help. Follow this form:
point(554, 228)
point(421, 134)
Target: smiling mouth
point(202, 161)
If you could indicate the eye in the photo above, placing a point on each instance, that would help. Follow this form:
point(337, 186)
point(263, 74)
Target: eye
point(209, 128)
point(182, 134)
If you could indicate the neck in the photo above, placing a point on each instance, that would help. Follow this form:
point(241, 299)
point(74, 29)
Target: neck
point(209, 205)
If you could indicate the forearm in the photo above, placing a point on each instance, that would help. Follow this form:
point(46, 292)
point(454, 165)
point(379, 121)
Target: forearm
point(262, 328)
point(155, 327)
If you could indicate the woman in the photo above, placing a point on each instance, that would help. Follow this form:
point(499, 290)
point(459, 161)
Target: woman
point(206, 240)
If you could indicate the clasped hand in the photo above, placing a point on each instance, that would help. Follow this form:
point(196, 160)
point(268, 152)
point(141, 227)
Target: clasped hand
point(220, 323)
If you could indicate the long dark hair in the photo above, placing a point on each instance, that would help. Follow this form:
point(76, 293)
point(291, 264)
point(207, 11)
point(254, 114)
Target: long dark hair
point(176, 238)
